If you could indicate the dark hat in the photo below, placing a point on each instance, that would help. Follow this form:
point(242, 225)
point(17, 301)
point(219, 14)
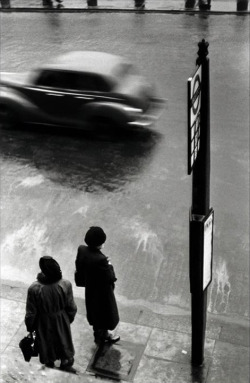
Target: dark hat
point(50, 268)
point(95, 236)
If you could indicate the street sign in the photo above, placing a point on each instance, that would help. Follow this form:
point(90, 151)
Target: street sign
point(208, 249)
point(194, 107)
point(201, 251)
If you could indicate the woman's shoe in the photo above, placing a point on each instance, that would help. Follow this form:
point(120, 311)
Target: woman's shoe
point(66, 365)
point(108, 338)
point(112, 338)
point(68, 369)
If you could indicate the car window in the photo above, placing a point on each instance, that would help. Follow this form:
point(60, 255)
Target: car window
point(73, 81)
point(91, 82)
point(53, 79)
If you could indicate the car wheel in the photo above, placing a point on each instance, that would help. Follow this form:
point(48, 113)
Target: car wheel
point(8, 118)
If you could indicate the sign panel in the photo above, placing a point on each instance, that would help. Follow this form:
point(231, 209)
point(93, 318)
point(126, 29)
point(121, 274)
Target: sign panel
point(201, 251)
point(208, 249)
point(194, 107)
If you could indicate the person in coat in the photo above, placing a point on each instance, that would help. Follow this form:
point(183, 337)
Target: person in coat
point(98, 277)
point(50, 309)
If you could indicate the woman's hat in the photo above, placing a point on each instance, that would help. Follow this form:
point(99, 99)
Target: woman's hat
point(95, 236)
point(50, 268)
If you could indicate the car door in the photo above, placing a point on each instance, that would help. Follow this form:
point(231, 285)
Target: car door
point(62, 95)
point(86, 88)
point(50, 94)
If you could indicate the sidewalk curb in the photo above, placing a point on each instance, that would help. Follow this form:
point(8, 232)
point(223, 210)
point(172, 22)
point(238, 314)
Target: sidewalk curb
point(15, 291)
point(119, 10)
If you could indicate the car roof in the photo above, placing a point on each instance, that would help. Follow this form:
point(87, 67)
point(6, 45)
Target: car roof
point(87, 61)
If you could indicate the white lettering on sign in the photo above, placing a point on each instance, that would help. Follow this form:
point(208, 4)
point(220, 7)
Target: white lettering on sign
point(195, 140)
point(194, 107)
point(195, 93)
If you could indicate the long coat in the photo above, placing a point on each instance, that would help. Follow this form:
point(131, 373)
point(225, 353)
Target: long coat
point(50, 308)
point(99, 279)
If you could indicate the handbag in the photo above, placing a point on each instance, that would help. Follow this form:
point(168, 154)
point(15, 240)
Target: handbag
point(28, 346)
point(79, 279)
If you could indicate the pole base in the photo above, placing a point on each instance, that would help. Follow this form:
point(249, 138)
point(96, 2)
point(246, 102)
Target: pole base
point(242, 5)
point(140, 3)
point(92, 3)
point(190, 3)
point(204, 5)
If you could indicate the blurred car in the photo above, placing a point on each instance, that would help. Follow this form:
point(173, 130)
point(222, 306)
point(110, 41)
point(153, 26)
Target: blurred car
point(79, 88)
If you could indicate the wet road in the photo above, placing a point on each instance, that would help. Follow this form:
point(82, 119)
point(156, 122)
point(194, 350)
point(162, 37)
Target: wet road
point(53, 187)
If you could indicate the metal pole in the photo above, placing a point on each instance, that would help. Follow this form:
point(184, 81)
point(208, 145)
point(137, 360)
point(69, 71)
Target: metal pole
point(140, 3)
point(92, 3)
point(200, 207)
point(204, 4)
point(190, 3)
point(201, 170)
point(242, 5)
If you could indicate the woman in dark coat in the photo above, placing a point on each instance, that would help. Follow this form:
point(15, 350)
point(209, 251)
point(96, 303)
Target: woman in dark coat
point(97, 276)
point(50, 308)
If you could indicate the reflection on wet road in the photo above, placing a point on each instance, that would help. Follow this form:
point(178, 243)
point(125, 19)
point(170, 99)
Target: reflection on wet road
point(92, 164)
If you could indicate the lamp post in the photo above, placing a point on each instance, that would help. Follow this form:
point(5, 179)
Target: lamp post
point(201, 215)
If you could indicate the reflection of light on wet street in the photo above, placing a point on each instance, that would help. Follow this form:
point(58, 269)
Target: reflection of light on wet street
point(32, 181)
point(89, 164)
point(20, 248)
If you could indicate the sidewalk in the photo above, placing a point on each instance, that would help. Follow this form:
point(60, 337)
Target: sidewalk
point(163, 6)
point(164, 342)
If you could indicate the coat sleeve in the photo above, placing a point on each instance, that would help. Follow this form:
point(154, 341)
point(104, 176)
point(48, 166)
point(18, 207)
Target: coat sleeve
point(107, 271)
point(31, 310)
point(78, 262)
point(71, 307)
point(79, 270)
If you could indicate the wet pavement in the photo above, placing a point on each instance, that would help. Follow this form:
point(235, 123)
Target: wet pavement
point(53, 187)
point(216, 6)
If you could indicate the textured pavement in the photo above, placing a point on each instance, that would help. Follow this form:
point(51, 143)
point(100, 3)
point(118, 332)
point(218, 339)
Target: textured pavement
point(166, 344)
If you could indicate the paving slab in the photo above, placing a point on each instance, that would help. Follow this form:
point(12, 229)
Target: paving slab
point(235, 333)
point(117, 361)
point(230, 364)
point(12, 313)
point(145, 354)
point(152, 370)
point(174, 346)
point(180, 323)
